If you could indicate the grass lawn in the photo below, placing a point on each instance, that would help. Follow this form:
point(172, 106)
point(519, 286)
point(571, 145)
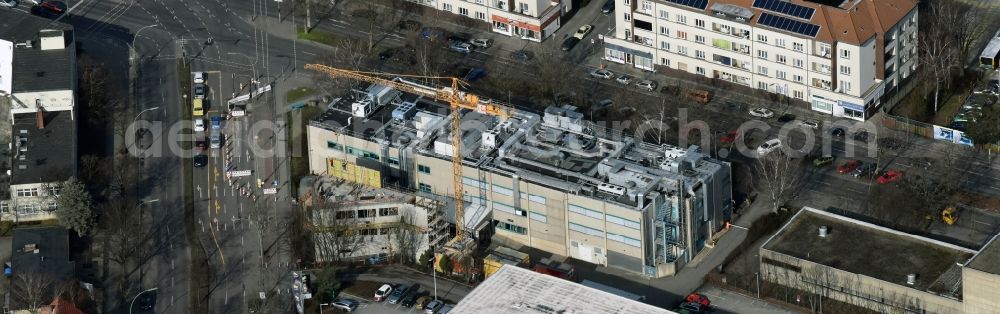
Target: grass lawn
point(299, 93)
point(319, 36)
point(361, 288)
point(948, 109)
point(297, 139)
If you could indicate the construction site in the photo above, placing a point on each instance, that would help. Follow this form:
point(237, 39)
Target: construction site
point(551, 181)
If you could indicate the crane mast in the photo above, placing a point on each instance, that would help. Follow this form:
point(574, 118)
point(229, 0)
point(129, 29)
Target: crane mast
point(456, 98)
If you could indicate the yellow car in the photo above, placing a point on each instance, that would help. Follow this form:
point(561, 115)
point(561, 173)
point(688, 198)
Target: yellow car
point(197, 109)
point(422, 301)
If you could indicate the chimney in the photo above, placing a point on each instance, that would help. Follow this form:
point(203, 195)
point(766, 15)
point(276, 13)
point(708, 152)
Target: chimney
point(40, 116)
point(823, 231)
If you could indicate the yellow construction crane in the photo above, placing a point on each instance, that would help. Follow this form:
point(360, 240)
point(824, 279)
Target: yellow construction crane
point(452, 95)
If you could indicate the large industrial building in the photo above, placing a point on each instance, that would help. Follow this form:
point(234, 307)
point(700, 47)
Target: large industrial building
point(840, 56)
point(882, 269)
point(551, 181)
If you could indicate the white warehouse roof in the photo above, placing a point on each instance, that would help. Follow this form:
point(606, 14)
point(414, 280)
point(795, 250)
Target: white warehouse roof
point(517, 290)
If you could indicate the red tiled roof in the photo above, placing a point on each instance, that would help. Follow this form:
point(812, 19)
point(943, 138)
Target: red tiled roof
point(59, 306)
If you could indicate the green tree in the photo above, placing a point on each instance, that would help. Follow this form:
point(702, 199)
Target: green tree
point(985, 129)
point(327, 283)
point(445, 263)
point(75, 207)
point(425, 258)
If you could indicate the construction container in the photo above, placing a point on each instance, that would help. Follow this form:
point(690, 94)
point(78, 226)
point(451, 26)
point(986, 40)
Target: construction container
point(503, 256)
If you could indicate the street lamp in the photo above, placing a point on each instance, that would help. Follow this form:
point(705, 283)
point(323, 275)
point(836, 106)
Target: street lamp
point(321, 305)
point(137, 296)
point(133, 125)
point(132, 45)
point(141, 112)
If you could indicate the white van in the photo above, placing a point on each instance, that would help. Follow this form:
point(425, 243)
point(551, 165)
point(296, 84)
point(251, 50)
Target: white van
point(768, 146)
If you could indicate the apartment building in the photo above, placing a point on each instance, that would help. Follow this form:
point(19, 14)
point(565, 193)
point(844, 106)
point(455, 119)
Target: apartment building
point(551, 181)
point(840, 56)
point(878, 268)
point(38, 67)
point(532, 20)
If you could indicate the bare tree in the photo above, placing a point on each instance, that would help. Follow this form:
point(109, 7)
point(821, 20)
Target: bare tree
point(30, 289)
point(550, 76)
point(405, 237)
point(351, 54)
point(334, 231)
point(938, 49)
point(777, 175)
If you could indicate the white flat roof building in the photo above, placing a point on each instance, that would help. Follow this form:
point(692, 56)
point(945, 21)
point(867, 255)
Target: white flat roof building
point(517, 290)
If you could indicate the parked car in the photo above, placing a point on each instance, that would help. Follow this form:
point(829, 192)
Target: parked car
point(199, 91)
point(482, 42)
point(890, 176)
point(785, 118)
point(199, 77)
point(583, 31)
point(446, 309)
point(433, 307)
point(602, 73)
point(201, 145)
point(49, 9)
point(9, 3)
point(147, 302)
point(411, 298)
point(768, 146)
point(199, 125)
point(383, 292)
point(838, 132)
point(861, 135)
point(569, 43)
point(474, 74)
point(216, 122)
point(823, 161)
point(810, 123)
point(422, 302)
point(459, 46)
point(608, 7)
point(346, 305)
point(865, 170)
point(649, 85)
point(398, 294)
point(462, 38)
point(432, 33)
point(849, 166)
point(761, 112)
point(200, 160)
point(624, 79)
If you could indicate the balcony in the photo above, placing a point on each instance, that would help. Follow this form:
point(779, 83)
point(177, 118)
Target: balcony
point(820, 68)
point(730, 31)
point(645, 41)
point(823, 84)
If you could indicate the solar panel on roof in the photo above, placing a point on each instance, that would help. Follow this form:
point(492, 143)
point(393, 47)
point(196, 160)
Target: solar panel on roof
point(697, 4)
point(790, 9)
point(780, 22)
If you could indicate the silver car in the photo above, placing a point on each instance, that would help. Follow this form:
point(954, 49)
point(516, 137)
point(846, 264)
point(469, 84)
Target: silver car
point(215, 141)
point(649, 85)
point(346, 305)
point(602, 73)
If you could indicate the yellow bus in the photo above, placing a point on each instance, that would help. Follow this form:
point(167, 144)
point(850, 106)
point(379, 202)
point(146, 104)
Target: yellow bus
point(198, 109)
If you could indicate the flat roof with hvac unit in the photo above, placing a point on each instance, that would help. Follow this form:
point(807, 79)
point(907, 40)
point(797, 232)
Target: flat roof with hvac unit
point(867, 249)
point(517, 290)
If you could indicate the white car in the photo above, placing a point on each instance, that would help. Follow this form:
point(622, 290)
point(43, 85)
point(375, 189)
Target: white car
point(812, 124)
point(8, 3)
point(383, 292)
point(768, 146)
point(761, 113)
point(199, 77)
point(583, 31)
point(482, 42)
point(199, 125)
point(602, 73)
point(624, 79)
point(649, 85)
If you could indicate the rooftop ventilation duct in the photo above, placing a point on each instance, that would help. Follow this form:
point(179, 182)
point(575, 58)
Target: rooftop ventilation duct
point(823, 231)
point(911, 279)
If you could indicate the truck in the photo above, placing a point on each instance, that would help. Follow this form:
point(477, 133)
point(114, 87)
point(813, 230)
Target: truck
point(557, 269)
point(503, 256)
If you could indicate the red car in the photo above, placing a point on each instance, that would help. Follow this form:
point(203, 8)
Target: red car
point(890, 176)
point(730, 137)
point(849, 166)
point(201, 145)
